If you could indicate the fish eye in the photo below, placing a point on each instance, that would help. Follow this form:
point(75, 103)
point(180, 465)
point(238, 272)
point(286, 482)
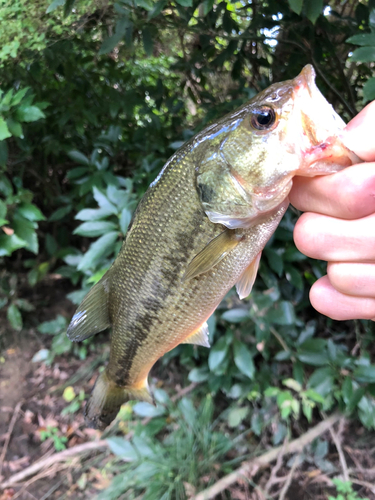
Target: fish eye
point(263, 118)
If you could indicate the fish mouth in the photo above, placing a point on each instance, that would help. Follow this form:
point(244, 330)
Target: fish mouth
point(322, 151)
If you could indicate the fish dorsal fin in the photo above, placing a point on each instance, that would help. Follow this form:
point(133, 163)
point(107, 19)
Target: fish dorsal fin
point(212, 254)
point(199, 337)
point(92, 315)
point(246, 282)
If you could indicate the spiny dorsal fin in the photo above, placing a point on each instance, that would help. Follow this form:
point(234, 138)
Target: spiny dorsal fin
point(246, 282)
point(91, 316)
point(212, 254)
point(199, 337)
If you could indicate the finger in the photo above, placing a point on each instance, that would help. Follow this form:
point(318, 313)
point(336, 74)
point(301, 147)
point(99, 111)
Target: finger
point(358, 135)
point(328, 301)
point(353, 278)
point(327, 238)
point(349, 194)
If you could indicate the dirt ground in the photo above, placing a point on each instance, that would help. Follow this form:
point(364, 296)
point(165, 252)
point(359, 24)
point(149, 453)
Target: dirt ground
point(31, 402)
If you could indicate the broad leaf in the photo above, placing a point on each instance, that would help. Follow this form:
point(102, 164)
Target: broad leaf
point(313, 9)
point(14, 317)
point(243, 359)
point(4, 131)
point(296, 6)
point(95, 228)
point(103, 246)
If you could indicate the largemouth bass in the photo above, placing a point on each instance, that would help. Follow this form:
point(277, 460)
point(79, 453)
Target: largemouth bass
point(200, 229)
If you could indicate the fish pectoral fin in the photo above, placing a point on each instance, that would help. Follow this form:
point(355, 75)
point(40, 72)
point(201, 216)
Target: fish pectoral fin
point(92, 315)
point(199, 337)
point(107, 397)
point(212, 254)
point(246, 282)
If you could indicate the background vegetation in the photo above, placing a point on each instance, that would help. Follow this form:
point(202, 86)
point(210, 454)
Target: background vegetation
point(94, 97)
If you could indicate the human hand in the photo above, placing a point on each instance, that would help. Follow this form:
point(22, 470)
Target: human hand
point(339, 227)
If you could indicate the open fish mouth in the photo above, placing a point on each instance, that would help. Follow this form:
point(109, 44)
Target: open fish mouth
point(323, 151)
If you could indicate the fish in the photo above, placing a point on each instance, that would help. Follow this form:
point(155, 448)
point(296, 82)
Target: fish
point(200, 229)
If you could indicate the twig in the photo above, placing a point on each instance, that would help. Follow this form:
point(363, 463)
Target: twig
point(9, 434)
point(62, 456)
point(336, 440)
point(273, 477)
point(289, 478)
point(250, 468)
point(366, 484)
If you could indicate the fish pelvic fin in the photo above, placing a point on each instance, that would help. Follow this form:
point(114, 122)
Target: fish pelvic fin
point(92, 315)
point(245, 284)
point(199, 337)
point(106, 400)
point(212, 254)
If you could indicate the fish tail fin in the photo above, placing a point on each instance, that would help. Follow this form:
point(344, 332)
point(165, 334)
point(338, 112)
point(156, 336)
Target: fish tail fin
point(106, 400)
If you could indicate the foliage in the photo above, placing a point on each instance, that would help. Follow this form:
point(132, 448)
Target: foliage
point(192, 449)
point(54, 434)
point(95, 96)
point(344, 490)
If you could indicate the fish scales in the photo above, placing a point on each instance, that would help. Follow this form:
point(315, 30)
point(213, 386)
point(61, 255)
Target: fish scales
point(200, 229)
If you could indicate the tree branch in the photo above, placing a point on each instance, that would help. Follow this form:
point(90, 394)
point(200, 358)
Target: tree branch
point(250, 468)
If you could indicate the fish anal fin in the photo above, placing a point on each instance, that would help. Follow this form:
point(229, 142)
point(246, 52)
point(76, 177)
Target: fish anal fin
point(212, 254)
point(92, 315)
point(246, 282)
point(199, 337)
point(107, 398)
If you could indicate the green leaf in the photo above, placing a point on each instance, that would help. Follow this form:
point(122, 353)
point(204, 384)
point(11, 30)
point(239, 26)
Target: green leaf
point(125, 218)
point(207, 6)
point(90, 214)
point(313, 9)
point(10, 243)
point(236, 415)
point(103, 201)
point(363, 54)
point(60, 213)
point(217, 354)
point(369, 90)
point(364, 373)
point(54, 326)
point(185, 3)
point(78, 157)
point(236, 315)
point(95, 228)
point(68, 7)
point(24, 305)
point(29, 113)
point(14, 317)
point(199, 374)
point(15, 128)
point(4, 131)
point(275, 260)
point(322, 381)
point(25, 230)
point(17, 98)
point(148, 44)
point(243, 359)
point(282, 313)
point(122, 448)
point(54, 5)
point(30, 212)
point(362, 39)
point(144, 409)
point(103, 246)
point(296, 6)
